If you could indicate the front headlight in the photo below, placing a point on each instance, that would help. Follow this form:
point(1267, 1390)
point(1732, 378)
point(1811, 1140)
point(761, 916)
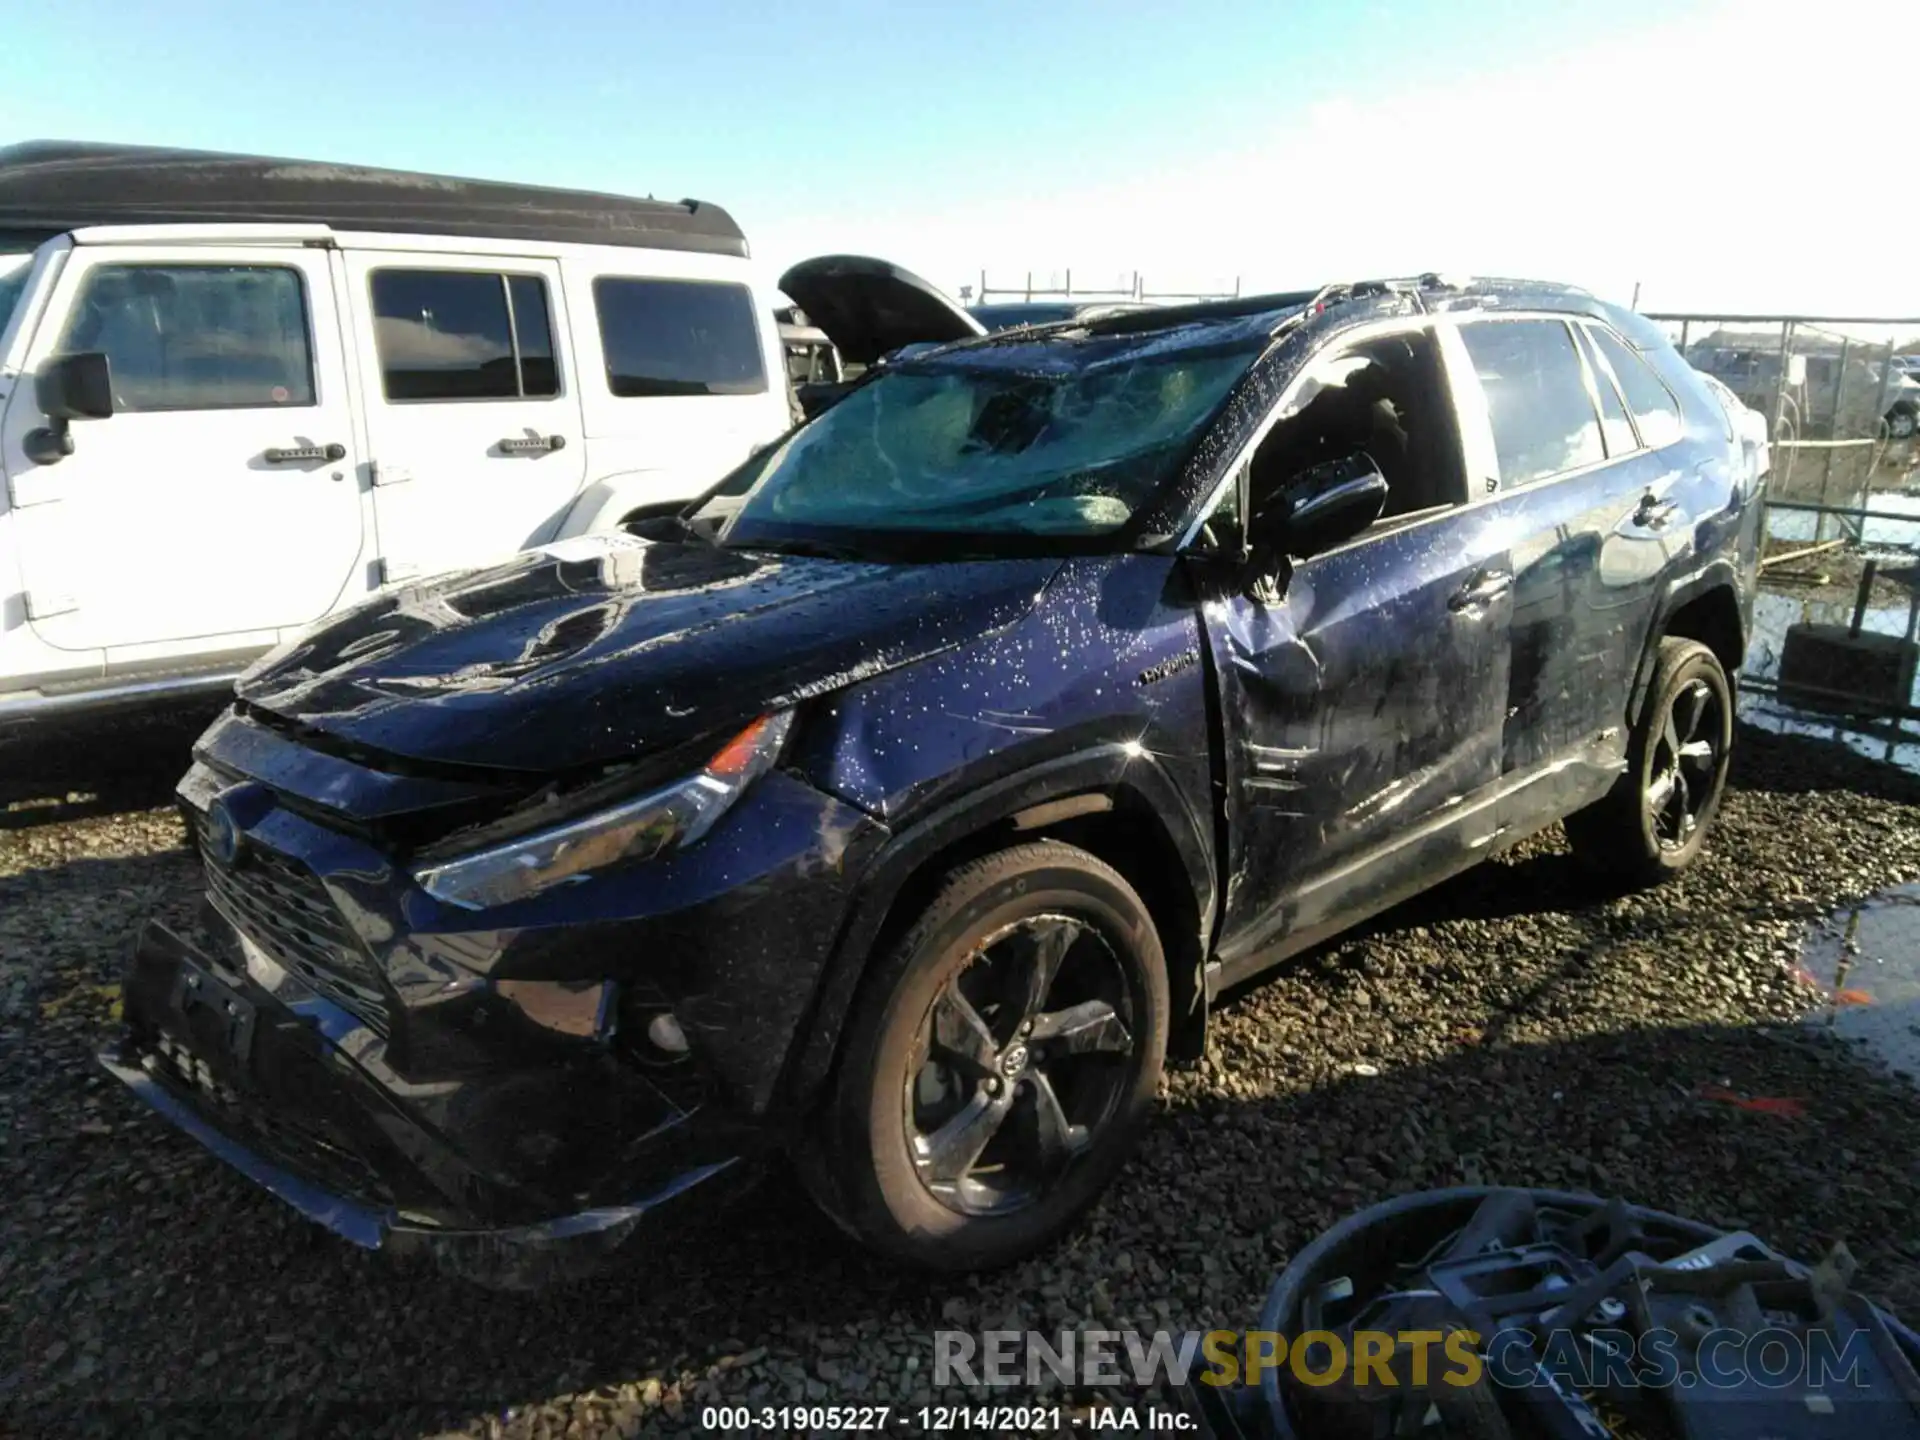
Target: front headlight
point(670, 818)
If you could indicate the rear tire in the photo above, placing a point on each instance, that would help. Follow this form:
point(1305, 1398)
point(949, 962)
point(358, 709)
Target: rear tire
point(1655, 820)
point(1051, 1048)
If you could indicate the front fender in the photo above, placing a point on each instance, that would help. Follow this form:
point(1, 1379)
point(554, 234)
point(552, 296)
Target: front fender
point(1138, 781)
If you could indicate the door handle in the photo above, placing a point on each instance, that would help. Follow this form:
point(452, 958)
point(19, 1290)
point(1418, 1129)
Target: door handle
point(298, 454)
point(1483, 589)
point(532, 444)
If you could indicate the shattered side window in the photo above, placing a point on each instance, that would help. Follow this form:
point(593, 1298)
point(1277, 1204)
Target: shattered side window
point(1543, 419)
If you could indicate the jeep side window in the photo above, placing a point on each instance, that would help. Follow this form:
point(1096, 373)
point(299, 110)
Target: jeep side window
point(462, 335)
point(678, 337)
point(1386, 398)
point(1543, 418)
point(1652, 403)
point(197, 337)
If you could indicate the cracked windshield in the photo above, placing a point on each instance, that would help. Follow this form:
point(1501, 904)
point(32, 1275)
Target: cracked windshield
point(1067, 437)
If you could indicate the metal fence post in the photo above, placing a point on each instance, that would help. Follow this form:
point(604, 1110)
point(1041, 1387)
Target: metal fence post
point(1875, 454)
point(1826, 473)
point(1780, 404)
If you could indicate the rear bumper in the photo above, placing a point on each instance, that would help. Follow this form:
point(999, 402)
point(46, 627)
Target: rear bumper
point(285, 1087)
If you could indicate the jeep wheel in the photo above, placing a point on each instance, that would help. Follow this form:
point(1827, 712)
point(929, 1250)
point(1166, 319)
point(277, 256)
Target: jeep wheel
point(1655, 819)
point(1901, 424)
point(1002, 1065)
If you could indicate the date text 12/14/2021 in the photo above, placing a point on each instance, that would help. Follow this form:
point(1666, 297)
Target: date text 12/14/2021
point(942, 1419)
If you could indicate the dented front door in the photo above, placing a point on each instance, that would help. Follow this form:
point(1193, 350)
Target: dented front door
point(1361, 714)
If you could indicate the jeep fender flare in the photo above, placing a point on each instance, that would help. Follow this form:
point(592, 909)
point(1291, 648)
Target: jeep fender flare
point(1115, 770)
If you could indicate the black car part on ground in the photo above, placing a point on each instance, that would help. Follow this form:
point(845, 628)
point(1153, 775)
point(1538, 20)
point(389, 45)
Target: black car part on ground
point(1542, 1278)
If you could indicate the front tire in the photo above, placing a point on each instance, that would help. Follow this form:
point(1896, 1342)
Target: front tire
point(1654, 821)
point(1002, 1065)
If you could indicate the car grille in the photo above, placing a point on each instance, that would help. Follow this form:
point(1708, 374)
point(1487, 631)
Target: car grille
point(283, 908)
point(305, 1146)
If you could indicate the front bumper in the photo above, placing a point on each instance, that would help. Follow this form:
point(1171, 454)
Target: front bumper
point(285, 1086)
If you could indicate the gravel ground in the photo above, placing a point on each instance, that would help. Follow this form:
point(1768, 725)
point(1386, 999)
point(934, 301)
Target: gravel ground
point(1513, 1026)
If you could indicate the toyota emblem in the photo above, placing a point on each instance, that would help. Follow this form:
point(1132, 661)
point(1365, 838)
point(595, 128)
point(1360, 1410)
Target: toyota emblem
point(224, 839)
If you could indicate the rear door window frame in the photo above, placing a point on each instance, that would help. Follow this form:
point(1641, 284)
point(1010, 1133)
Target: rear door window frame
point(1596, 330)
point(1567, 322)
point(505, 275)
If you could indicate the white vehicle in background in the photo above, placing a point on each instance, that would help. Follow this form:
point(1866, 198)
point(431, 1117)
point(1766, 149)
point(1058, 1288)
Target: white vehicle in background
point(239, 394)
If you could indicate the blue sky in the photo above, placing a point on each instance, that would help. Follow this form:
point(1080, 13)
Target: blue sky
point(1196, 142)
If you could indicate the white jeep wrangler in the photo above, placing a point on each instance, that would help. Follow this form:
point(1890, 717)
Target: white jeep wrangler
point(238, 394)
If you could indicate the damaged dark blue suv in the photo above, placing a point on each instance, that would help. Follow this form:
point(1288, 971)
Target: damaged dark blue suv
point(900, 805)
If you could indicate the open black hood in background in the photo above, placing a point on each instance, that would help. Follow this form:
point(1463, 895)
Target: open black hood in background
point(869, 308)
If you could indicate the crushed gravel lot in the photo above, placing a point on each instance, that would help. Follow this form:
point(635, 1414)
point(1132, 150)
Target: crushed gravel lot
point(1516, 1025)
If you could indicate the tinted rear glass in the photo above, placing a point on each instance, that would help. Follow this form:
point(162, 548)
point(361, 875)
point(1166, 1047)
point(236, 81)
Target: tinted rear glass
point(678, 337)
point(449, 335)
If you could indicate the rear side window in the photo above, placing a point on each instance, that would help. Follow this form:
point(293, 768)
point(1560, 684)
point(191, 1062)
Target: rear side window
point(1614, 424)
point(197, 337)
point(462, 335)
point(1652, 403)
point(678, 337)
point(1543, 419)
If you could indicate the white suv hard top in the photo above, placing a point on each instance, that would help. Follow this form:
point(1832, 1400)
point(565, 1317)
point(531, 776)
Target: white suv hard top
point(238, 394)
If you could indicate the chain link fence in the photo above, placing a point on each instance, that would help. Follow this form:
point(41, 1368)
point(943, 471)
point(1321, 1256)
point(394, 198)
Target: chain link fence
point(1835, 623)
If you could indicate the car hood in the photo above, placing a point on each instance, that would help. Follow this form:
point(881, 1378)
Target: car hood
point(870, 308)
point(609, 646)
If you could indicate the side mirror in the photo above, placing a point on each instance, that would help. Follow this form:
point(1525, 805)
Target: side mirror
point(1331, 503)
point(75, 387)
point(68, 388)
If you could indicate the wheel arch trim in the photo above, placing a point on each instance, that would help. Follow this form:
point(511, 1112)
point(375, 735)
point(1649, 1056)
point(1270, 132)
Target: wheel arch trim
point(1113, 771)
point(1718, 574)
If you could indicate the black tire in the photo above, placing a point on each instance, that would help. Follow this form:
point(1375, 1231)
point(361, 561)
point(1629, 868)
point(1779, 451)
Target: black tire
point(996, 921)
point(1655, 820)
